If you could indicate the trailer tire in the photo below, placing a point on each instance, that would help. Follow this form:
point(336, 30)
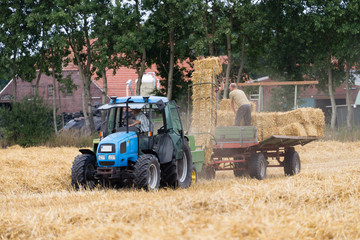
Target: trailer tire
point(257, 166)
point(208, 172)
point(82, 171)
point(147, 172)
point(240, 173)
point(292, 164)
point(194, 175)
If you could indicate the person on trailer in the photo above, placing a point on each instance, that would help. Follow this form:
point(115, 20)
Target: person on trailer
point(141, 121)
point(243, 110)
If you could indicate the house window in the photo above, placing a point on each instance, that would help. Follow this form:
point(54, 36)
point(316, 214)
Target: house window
point(50, 90)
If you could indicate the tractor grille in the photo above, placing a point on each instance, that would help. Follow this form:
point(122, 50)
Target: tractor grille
point(106, 163)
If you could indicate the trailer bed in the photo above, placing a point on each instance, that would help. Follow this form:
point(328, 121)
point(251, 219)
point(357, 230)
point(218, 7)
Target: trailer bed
point(236, 148)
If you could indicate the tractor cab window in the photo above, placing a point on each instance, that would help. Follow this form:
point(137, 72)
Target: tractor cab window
point(156, 119)
point(115, 120)
point(173, 121)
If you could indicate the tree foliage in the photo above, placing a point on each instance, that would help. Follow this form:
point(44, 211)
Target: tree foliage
point(28, 123)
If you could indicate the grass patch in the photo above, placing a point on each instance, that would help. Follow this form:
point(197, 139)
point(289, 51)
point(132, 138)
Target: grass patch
point(342, 134)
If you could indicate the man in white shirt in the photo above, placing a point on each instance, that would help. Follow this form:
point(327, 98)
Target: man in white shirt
point(243, 110)
point(141, 121)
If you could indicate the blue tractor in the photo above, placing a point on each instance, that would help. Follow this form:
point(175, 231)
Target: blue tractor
point(126, 156)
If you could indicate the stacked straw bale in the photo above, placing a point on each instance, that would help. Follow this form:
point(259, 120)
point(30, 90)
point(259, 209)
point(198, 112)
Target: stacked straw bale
point(304, 122)
point(204, 102)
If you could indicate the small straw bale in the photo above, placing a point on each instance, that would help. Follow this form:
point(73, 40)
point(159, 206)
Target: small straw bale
point(311, 130)
point(293, 129)
point(268, 132)
point(212, 63)
point(266, 119)
point(225, 118)
point(204, 90)
point(225, 105)
point(253, 107)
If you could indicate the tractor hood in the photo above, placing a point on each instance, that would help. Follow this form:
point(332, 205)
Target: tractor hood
point(118, 137)
point(117, 149)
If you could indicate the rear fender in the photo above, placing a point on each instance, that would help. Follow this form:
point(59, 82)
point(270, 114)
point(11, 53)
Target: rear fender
point(87, 151)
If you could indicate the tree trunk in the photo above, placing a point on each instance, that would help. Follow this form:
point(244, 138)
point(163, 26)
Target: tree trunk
point(60, 106)
point(141, 72)
point(228, 68)
point(39, 75)
point(348, 103)
point(171, 67)
point(54, 102)
point(104, 98)
point(213, 21)
point(332, 98)
point(87, 74)
point(14, 77)
point(83, 98)
point(89, 104)
point(242, 59)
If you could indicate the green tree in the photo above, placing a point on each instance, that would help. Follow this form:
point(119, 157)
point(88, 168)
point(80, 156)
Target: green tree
point(76, 20)
point(348, 49)
point(28, 123)
point(17, 40)
point(172, 20)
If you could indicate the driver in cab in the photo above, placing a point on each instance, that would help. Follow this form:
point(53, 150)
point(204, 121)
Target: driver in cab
point(141, 121)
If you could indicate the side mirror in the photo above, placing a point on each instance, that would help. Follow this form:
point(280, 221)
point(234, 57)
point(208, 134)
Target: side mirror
point(161, 105)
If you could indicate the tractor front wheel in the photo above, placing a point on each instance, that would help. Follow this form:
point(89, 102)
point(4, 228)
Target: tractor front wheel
point(147, 172)
point(82, 172)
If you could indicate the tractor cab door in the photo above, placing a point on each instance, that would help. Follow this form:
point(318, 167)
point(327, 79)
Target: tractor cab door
point(174, 128)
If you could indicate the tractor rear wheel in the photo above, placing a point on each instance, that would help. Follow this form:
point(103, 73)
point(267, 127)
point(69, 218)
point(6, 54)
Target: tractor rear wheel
point(147, 172)
point(184, 168)
point(168, 174)
point(82, 172)
point(292, 163)
point(257, 166)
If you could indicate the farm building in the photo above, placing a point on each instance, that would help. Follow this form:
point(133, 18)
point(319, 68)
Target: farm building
point(122, 84)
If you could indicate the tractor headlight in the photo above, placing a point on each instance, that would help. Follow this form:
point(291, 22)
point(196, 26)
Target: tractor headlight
point(101, 157)
point(107, 148)
point(111, 157)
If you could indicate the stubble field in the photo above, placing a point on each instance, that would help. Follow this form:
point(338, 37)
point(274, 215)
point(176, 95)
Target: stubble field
point(322, 202)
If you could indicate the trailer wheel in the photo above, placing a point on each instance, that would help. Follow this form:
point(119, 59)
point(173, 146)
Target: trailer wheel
point(257, 166)
point(292, 163)
point(82, 172)
point(240, 173)
point(147, 172)
point(208, 172)
point(194, 175)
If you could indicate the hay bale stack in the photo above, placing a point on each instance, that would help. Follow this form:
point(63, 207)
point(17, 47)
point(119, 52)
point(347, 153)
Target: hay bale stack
point(304, 122)
point(204, 102)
